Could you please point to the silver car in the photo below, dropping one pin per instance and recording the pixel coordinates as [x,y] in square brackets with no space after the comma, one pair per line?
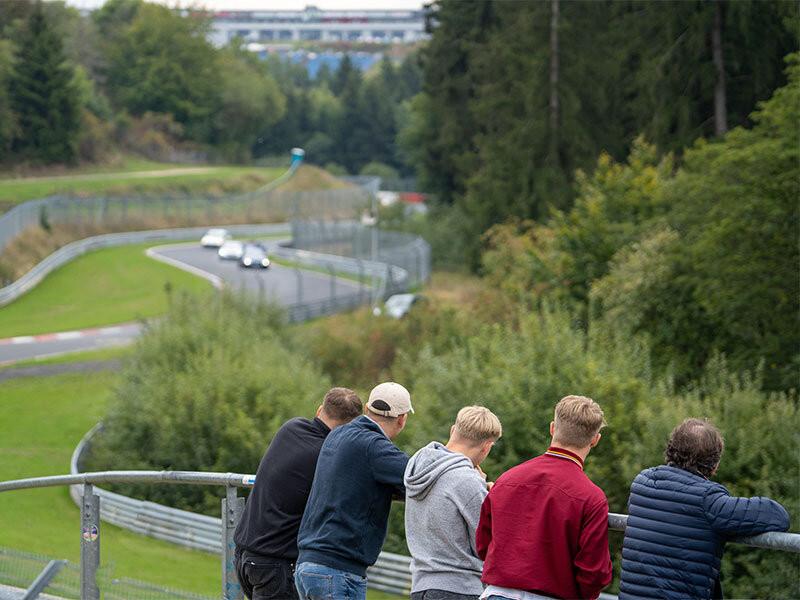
[231,250]
[214,238]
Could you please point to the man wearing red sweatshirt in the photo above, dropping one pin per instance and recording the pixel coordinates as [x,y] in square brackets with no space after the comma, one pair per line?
[543,531]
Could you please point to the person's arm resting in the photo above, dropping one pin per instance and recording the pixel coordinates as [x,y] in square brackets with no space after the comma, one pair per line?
[388,464]
[593,561]
[733,516]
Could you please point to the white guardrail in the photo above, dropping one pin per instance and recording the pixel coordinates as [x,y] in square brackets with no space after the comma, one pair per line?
[391,573]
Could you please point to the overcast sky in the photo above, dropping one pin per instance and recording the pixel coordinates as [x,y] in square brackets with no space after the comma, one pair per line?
[274,4]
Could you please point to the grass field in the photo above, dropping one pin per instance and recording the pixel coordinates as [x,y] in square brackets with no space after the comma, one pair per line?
[139,178]
[44,420]
[108,286]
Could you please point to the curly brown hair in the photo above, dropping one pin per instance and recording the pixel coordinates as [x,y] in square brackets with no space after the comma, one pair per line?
[695,445]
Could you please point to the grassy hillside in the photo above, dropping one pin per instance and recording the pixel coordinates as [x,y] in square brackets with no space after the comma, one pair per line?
[147,178]
[108,286]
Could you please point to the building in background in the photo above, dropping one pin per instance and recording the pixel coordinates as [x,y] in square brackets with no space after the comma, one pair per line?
[314,25]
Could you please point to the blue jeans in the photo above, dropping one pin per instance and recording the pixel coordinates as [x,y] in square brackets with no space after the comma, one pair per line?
[318,582]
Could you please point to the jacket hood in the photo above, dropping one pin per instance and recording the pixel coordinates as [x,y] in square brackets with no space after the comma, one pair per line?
[428,465]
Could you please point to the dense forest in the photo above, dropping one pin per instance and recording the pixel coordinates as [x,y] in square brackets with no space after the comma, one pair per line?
[142,78]
[519,96]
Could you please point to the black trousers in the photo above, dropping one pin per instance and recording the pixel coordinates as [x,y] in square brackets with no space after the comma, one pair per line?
[265,578]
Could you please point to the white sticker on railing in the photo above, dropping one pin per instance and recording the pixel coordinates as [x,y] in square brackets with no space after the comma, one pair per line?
[249,479]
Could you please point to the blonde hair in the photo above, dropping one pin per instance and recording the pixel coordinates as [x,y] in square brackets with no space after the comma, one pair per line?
[477,424]
[577,420]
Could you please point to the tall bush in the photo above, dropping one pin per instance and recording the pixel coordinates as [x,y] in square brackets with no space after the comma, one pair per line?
[206,390]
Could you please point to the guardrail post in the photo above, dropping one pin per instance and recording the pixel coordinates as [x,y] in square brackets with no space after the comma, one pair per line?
[332,274]
[360,280]
[90,543]
[232,509]
[420,278]
[299,276]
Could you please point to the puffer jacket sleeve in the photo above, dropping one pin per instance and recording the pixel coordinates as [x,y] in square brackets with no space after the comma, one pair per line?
[735,516]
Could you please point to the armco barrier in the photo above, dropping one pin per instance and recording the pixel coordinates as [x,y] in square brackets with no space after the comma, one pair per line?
[71,251]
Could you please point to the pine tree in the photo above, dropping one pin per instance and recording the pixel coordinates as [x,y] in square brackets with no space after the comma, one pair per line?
[43,96]
[343,75]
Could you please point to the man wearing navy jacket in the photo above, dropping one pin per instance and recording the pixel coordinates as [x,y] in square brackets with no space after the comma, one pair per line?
[344,524]
[679,520]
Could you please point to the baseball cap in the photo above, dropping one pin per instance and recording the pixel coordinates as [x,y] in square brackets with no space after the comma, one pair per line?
[389,399]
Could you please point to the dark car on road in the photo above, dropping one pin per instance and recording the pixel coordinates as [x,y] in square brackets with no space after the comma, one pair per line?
[255,257]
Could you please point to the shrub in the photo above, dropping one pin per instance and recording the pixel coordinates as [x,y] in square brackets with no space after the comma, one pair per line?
[206,390]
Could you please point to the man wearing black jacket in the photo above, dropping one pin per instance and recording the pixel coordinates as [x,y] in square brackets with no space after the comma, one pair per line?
[266,537]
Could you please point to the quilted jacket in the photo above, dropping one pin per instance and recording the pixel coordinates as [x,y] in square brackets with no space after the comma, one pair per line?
[676,532]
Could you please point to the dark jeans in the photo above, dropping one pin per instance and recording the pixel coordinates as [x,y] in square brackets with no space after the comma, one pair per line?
[441,595]
[265,578]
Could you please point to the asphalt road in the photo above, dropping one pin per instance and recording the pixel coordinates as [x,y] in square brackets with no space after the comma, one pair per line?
[39,346]
[283,285]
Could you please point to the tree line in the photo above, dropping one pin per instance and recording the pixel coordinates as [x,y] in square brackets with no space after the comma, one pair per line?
[519,96]
[142,77]
[635,161]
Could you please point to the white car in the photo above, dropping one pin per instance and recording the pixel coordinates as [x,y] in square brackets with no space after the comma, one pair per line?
[231,250]
[214,238]
[397,306]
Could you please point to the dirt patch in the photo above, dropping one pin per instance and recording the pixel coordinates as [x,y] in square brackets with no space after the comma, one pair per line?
[309,177]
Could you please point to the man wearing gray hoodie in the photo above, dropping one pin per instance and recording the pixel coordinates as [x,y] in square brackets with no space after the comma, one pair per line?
[445,488]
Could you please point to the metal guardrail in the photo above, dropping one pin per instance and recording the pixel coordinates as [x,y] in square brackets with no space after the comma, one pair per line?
[354,240]
[391,573]
[72,251]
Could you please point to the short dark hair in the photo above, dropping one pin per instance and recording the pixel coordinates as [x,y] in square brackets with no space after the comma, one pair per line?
[342,404]
[695,445]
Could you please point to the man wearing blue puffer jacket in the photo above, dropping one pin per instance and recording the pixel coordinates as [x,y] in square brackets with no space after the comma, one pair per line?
[679,520]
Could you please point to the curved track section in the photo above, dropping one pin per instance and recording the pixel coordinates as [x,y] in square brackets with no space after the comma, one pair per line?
[284,285]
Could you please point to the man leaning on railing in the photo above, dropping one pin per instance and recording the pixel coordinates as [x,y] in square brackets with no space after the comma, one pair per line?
[679,520]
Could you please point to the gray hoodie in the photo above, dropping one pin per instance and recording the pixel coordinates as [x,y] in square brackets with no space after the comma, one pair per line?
[444,493]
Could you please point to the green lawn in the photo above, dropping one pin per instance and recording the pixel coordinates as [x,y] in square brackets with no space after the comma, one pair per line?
[112,285]
[44,420]
[201,179]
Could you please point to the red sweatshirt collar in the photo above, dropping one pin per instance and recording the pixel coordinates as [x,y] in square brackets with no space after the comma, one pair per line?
[565,454]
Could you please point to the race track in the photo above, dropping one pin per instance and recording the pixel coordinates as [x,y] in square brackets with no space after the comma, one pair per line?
[283,285]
